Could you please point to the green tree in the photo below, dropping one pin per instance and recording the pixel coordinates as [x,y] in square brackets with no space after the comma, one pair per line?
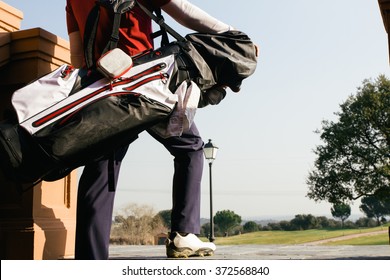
[354,159]
[205,230]
[165,215]
[341,211]
[375,208]
[365,222]
[250,226]
[323,222]
[303,222]
[226,220]
[285,225]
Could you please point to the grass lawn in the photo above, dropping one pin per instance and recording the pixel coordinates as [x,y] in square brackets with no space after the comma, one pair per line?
[380,239]
[299,237]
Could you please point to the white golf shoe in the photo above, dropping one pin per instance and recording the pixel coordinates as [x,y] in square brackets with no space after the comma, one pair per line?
[178,246]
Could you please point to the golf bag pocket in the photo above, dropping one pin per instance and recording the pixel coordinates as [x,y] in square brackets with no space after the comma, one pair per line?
[115,63]
[85,125]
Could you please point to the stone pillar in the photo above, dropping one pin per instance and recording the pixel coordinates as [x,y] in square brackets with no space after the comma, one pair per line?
[36,222]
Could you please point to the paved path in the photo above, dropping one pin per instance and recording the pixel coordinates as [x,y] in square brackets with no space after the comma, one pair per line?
[311,250]
[264,252]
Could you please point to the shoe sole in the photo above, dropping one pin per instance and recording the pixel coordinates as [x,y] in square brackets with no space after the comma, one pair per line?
[187,252]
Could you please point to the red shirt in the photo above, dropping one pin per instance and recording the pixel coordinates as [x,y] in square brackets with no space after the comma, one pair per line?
[134,33]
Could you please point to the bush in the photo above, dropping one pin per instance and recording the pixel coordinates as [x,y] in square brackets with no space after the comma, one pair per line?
[305,222]
[136,225]
[365,222]
[250,226]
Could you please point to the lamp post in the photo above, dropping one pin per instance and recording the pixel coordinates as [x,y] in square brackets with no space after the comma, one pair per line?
[210,153]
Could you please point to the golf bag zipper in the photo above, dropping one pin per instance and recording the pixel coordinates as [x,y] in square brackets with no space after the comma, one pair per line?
[116,83]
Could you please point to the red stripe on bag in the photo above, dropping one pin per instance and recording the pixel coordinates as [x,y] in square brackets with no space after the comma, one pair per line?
[58,112]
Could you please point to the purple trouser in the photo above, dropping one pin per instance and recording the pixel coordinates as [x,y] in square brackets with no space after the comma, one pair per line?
[95,201]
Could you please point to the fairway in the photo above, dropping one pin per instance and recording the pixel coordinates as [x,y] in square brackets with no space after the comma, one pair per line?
[308,236]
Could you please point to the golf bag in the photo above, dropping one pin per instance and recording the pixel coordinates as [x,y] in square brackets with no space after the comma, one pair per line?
[70,117]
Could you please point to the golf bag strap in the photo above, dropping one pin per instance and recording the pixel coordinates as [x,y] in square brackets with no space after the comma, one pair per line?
[92,25]
[119,9]
[113,42]
[159,19]
[90,36]
[162,32]
[91,30]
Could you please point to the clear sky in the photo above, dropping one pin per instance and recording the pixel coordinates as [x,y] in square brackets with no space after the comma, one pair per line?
[313,55]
